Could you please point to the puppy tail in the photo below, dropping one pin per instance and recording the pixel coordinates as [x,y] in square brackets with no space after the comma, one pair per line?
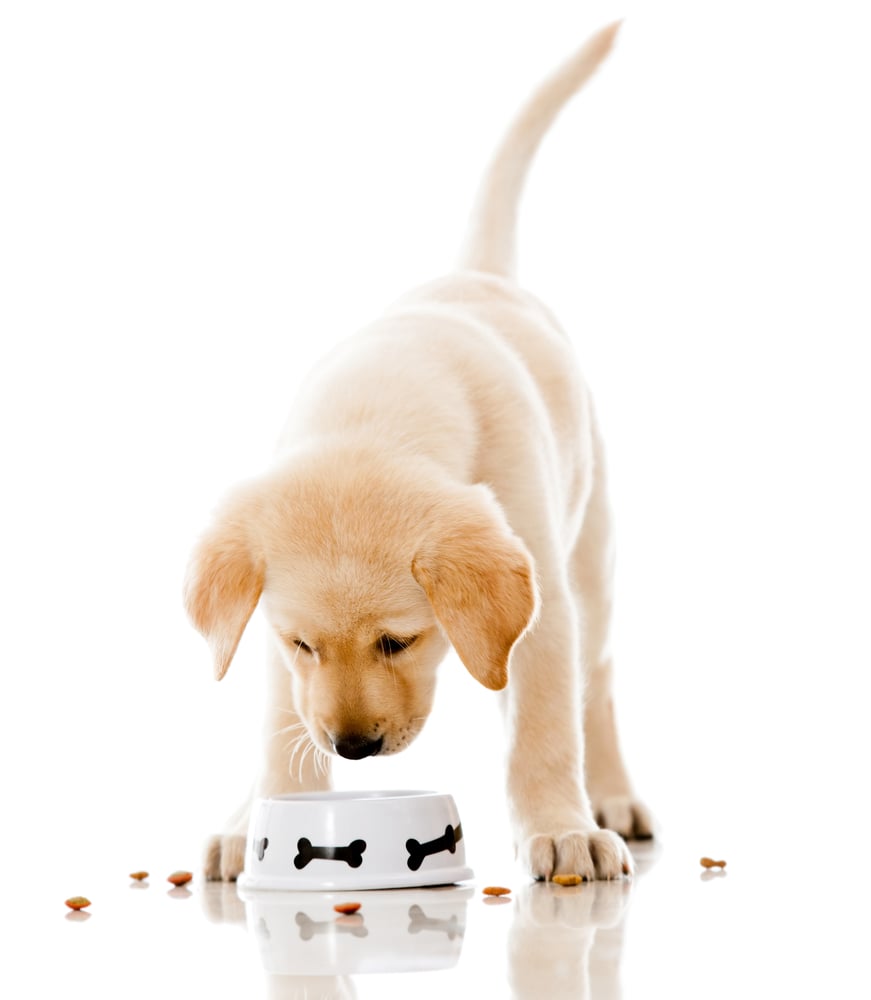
[490,238]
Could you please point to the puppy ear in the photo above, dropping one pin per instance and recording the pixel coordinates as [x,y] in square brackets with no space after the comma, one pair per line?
[480,581]
[222,587]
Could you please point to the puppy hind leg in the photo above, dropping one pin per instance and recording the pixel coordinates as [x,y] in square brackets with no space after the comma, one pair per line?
[615,804]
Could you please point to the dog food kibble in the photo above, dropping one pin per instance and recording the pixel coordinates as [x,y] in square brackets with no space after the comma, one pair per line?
[77,902]
[346,907]
[496,890]
[710,863]
[139,876]
[568,879]
[179,878]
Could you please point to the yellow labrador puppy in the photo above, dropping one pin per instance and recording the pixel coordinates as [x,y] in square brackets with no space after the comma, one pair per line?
[466,506]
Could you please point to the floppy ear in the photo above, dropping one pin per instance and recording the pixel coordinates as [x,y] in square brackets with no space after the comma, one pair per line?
[222,587]
[480,581]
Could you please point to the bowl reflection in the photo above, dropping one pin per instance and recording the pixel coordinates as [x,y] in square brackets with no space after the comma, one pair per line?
[397,930]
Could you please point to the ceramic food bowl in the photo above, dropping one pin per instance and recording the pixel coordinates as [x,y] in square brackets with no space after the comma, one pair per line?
[354,840]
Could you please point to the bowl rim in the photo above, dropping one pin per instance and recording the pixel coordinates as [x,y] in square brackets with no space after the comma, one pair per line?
[430,879]
[366,795]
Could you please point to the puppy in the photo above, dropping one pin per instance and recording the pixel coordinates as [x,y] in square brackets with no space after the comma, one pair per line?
[440,482]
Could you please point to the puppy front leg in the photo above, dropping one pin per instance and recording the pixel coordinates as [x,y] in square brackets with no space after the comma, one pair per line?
[292,763]
[554,829]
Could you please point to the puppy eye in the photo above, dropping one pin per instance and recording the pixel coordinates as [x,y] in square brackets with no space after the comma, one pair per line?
[304,646]
[392,645]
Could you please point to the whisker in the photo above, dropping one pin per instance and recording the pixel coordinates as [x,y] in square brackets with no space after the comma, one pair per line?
[310,746]
[289,729]
[298,746]
[290,756]
[413,654]
[303,751]
[297,743]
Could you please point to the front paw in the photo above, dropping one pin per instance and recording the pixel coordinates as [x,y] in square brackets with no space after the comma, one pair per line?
[593,854]
[225,857]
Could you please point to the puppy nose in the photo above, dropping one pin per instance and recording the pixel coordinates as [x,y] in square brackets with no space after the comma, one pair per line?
[356,747]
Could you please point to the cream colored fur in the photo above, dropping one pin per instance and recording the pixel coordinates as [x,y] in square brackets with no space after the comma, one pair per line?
[465,506]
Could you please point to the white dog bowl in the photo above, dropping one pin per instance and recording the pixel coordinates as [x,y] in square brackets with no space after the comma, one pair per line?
[354,840]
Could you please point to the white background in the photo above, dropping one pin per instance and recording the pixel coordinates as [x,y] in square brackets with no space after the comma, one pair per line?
[199,198]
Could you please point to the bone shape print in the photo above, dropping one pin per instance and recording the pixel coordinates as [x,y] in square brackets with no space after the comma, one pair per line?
[447,842]
[308,927]
[419,921]
[352,854]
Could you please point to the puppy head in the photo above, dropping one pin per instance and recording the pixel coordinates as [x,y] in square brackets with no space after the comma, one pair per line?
[365,568]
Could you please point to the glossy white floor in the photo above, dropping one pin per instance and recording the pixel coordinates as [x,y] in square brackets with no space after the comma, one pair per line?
[774,923]
[197,200]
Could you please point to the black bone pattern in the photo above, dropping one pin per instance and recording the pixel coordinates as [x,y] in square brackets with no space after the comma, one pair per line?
[419,921]
[308,927]
[447,842]
[352,855]
[260,847]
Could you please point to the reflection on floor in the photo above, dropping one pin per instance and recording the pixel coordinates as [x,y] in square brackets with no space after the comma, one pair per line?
[560,941]
[767,926]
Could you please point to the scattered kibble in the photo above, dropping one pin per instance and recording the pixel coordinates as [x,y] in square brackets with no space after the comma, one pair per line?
[710,863]
[139,876]
[179,878]
[568,879]
[496,890]
[78,902]
[346,907]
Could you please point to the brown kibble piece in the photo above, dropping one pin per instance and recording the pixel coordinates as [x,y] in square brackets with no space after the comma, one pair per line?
[347,907]
[179,878]
[568,879]
[77,902]
[139,876]
[496,890]
[710,863]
